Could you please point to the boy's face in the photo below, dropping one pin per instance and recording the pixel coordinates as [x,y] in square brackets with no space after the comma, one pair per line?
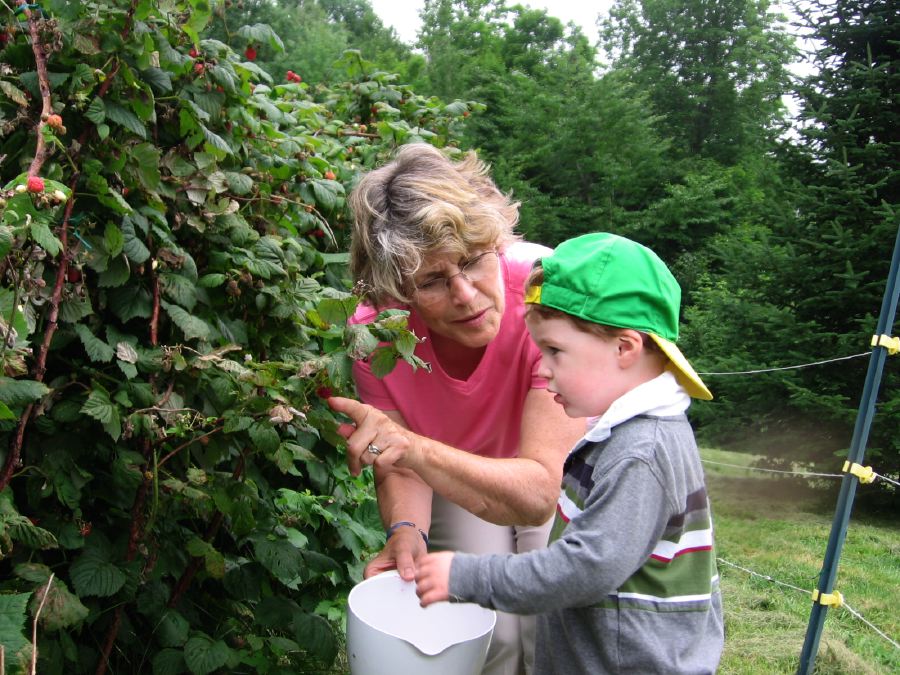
[583,369]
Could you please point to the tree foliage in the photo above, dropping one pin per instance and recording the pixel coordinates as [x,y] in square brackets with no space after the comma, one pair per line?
[809,286]
[172,315]
[715,71]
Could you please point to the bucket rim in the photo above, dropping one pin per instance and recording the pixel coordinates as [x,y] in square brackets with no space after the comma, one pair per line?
[379,578]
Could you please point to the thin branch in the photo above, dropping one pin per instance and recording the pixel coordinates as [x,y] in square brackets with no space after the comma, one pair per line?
[13,458]
[181,447]
[37,614]
[40,59]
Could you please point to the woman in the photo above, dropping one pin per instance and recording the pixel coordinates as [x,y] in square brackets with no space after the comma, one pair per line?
[469,455]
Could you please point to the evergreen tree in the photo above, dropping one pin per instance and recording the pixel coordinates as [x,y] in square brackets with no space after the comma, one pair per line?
[715,70]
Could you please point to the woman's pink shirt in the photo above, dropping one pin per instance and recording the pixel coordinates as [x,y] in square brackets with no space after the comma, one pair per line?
[482,414]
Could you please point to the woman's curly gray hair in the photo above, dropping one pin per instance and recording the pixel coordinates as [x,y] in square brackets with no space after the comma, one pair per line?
[421,203]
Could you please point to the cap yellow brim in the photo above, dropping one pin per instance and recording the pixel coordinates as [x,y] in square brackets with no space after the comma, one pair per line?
[685,374]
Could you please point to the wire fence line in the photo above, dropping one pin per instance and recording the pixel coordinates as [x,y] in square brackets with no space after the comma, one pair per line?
[805,474]
[805,591]
[756,468]
[797,367]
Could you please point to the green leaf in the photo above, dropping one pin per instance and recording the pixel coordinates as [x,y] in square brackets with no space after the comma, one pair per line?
[44,238]
[129,303]
[6,240]
[260,33]
[159,79]
[19,392]
[147,155]
[62,608]
[124,117]
[34,572]
[216,141]
[96,111]
[180,289]
[113,239]
[264,437]
[169,662]
[97,349]
[211,280]
[5,412]
[75,308]
[406,344]
[12,622]
[314,633]
[92,573]
[104,411]
[134,248]
[13,93]
[173,629]
[116,274]
[382,361]
[32,536]
[326,192]
[203,655]
[337,311]
[280,557]
[191,326]
[276,612]
[266,269]
[238,183]
[360,341]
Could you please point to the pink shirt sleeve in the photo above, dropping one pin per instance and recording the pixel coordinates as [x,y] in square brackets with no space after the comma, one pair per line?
[482,414]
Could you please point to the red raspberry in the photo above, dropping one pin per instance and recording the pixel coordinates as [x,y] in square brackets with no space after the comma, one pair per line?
[250,53]
[193,53]
[324,392]
[35,184]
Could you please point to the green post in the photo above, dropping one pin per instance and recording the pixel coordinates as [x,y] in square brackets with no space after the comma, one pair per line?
[855,456]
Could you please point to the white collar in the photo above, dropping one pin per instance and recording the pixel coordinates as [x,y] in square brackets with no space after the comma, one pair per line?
[661,396]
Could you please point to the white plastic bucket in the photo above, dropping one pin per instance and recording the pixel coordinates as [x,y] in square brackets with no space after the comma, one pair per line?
[388,633]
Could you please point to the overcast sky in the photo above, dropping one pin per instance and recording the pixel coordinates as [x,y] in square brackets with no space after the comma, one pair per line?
[403,15]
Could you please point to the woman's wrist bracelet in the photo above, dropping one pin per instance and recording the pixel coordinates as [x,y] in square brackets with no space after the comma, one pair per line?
[405,523]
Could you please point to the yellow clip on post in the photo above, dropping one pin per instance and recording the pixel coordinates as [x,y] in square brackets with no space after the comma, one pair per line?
[892,344]
[864,473]
[828,599]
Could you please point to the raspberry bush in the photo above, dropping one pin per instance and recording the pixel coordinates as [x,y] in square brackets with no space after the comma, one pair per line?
[173,497]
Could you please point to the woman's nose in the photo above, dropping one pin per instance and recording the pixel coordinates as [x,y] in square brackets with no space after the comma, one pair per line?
[461,289]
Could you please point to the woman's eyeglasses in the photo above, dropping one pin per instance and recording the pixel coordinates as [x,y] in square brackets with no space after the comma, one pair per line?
[473,270]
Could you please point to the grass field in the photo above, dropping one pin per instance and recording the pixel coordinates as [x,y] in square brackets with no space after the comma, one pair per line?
[778,527]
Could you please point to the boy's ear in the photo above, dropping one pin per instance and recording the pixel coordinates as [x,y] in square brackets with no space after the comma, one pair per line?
[630,345]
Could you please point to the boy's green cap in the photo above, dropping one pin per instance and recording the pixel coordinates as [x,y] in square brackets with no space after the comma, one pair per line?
[611,280]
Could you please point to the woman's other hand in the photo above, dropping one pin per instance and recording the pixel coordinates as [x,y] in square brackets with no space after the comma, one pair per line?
[401,552]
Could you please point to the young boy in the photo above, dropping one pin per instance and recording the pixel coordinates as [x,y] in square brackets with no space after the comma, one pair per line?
[628,583]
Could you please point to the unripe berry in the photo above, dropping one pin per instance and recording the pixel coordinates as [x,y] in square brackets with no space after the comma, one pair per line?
[329,175]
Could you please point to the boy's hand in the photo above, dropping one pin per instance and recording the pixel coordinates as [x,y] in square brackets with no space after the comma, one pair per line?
[433,577]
